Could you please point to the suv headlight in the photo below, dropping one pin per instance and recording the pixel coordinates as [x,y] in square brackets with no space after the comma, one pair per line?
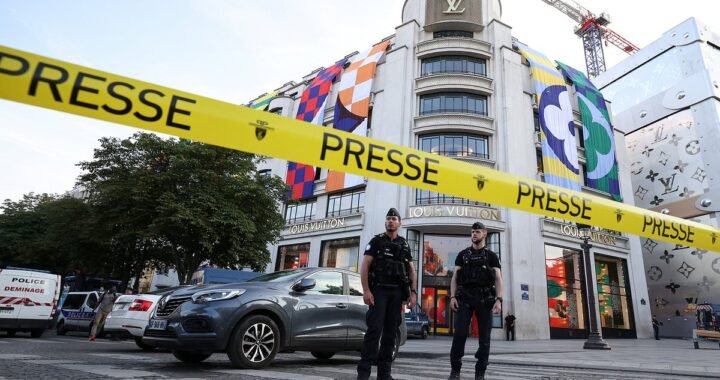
[216,295]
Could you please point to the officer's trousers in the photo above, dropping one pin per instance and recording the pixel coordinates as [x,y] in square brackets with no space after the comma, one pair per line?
[383,320]
[483,311]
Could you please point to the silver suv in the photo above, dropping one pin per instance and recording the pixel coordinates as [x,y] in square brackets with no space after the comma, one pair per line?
[320,310]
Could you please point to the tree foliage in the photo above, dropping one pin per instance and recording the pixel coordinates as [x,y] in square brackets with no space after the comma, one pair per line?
[49,232]
[148,200]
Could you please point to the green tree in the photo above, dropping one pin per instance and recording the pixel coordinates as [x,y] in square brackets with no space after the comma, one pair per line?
[180,203]
[49,232]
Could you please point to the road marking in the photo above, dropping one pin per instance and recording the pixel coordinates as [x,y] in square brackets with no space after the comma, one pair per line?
[130,357]
[50,361]
[18,356]
[41,341]
[270,374]
[109,370]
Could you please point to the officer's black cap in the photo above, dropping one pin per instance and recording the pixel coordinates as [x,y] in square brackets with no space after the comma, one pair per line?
[478,226]
[393,212]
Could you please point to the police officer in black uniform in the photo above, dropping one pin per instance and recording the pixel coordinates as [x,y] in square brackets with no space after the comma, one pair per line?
[388,279]
[476,286]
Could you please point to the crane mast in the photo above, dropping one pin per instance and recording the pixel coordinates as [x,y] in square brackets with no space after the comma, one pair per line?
[592,30]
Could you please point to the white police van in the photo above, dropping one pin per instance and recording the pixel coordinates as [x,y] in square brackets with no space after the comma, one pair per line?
[28,300]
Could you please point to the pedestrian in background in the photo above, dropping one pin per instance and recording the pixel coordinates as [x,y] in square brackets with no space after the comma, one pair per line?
[105,304]
[388,278]
[510,325]
[475,287]
[656,327]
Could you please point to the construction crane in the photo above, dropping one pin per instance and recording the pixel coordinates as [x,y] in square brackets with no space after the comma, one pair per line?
[592,29]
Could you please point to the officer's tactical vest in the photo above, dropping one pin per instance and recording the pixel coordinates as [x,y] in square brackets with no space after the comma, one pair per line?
[476,270]
[389,265]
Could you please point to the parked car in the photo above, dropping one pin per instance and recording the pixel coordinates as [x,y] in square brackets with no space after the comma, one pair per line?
[78,312]
[320,310]
[418,323]
[131,313]
[28,299]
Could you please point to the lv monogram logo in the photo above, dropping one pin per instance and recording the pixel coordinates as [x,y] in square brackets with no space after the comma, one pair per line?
[669,182]
[453,7]
[659,135]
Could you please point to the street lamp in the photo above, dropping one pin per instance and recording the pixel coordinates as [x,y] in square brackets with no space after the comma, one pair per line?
[595,340]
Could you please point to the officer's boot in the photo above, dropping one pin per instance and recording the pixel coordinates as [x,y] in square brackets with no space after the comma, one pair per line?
[454,375]
[479,375]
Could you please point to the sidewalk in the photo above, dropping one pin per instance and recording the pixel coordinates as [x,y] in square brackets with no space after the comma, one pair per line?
[667,356]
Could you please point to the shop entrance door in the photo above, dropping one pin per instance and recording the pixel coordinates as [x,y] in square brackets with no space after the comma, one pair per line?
[436,303]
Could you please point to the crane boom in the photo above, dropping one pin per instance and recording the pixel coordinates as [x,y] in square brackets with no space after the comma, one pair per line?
[572,9]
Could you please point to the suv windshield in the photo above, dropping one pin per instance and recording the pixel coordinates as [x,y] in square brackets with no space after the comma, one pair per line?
[278,276]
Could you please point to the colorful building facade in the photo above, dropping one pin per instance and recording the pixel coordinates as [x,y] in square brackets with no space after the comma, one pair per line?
[453,81]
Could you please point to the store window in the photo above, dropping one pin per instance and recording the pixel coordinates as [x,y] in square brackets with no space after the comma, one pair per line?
[440,252]
[565,290]
[302,211]
[328,282]
[450,102]
[293,256]
[454,64]
[341,253]
[346,203]
[613,292]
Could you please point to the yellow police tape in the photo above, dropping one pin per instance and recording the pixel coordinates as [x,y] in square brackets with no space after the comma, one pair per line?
[53,84]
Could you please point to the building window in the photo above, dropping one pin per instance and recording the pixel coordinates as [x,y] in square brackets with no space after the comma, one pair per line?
[342,253]
[453,102]
[276,110]
[455,145]
[293,256]
[302,211]
[454,64]
[265,173]
[565,291]
[453,33]
[540,167]
[425,197]
[346,203]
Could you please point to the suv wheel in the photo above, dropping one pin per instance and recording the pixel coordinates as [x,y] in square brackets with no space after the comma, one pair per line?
[36,333]
[191,356]
[146,347]
[322,355]
[254,343]
[60,329]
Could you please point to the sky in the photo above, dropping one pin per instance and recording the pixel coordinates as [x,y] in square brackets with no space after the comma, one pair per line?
[237,50]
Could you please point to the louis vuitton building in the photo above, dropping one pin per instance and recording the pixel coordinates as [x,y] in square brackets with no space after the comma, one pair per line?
[452,81]
[672,122]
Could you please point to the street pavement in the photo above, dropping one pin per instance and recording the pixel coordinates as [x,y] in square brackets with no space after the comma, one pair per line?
[72,356]
[663,357]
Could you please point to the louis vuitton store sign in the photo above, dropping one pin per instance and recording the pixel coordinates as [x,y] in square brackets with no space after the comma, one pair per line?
[604,237]
[473,212]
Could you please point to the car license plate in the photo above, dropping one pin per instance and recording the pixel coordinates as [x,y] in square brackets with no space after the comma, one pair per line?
[157,324]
